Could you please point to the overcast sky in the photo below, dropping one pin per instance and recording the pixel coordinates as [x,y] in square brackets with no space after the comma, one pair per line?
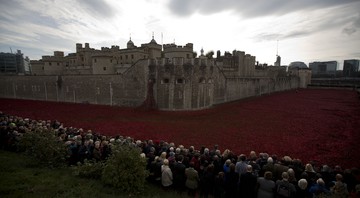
[306,30]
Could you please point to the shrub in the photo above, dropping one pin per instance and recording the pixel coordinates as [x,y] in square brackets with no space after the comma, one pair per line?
[125,169]
[89,169]
[44,147]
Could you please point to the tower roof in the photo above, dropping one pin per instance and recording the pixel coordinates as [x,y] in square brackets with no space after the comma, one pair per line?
[130,42]
[153,40]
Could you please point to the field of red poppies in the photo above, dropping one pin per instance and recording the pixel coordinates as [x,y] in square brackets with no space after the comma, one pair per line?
[322,125]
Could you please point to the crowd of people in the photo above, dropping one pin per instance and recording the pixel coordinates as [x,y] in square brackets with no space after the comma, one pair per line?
[203,172]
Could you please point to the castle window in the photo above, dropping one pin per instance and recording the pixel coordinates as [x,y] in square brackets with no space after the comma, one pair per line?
[132,56]
[49,63]
[187,56]
[110,60]
[126,56]
[104,68]
[165,81]
[120,57]
[57,64]
[95,60]
[180,81]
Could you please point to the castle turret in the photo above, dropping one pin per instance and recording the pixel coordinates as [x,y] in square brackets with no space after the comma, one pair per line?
[172,50]
[130,44]
[218,54]
[78,47]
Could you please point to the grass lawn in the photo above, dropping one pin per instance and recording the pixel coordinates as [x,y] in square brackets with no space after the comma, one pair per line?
[19,178]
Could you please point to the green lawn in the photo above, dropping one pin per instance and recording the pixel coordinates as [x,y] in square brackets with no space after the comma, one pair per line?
[18,178]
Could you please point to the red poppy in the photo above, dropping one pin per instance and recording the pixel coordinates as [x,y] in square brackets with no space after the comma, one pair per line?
[320,125]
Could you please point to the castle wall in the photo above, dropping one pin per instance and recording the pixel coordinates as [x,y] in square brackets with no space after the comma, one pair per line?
[103,65]
[122,90]
[37,67]
[305,78]
[180,84]
[239,88]
[174,51]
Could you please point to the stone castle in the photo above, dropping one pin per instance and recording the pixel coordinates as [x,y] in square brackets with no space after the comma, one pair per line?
[169,77]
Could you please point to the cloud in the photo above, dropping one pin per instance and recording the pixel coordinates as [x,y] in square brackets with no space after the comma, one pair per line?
[16,12]
[267,37]
[99,7]
[305,24]
[245,8]
[349,30]
[276,36]
[183,7]
[297,33]
[354,26]
[355,54]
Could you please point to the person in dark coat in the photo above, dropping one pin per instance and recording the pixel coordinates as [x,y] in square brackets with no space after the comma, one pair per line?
[219,188]
[231,181]
[179,175]
[302,189]
[248,183]
[284,188]
[207,181]
[266,186]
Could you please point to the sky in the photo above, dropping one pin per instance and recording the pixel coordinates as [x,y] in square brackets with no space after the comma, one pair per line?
[298,30]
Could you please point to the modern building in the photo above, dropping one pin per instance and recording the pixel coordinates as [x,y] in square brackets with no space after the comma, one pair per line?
[351,68]
[278,61]
[298,65]
[14,63]
[324,69]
